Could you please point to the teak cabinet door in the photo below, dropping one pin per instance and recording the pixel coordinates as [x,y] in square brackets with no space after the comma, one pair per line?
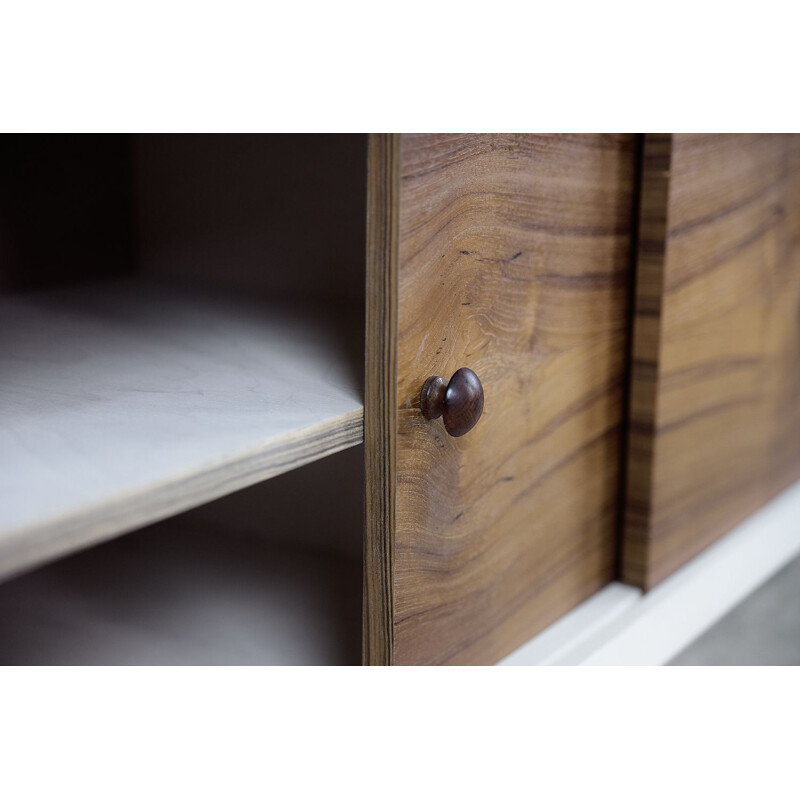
[510,255]
[715,375]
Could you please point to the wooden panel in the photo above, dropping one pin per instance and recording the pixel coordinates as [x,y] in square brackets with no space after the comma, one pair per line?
[715,411]
[512,257]
[380,422]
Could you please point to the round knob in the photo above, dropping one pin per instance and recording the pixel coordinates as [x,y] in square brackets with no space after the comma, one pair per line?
[459,402]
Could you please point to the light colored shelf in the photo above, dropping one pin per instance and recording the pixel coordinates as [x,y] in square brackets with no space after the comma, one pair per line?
[181,594]
[127,402]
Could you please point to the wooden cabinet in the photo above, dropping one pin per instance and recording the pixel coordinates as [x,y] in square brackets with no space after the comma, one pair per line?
[183,349]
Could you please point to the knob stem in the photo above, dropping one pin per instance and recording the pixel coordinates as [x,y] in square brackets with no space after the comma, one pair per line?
[431,400]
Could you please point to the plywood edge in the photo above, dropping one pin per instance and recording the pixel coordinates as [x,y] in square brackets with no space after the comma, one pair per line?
[645,357]
[35,545]
[380,417]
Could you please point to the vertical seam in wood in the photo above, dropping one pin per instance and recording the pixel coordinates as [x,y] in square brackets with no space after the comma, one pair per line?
[645,357]
[380,412]
[622,492]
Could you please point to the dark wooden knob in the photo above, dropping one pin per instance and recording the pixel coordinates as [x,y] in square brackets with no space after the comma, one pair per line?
[459,402]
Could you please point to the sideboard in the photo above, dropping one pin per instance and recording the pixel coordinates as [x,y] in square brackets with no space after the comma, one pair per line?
[389,399]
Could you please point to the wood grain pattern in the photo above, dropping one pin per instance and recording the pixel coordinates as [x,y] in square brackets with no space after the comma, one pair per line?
[380,422]
[715,411]
[513,260]
[128,401]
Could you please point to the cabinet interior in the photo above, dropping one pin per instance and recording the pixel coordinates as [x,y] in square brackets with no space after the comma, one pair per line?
[259,577]
[182,318]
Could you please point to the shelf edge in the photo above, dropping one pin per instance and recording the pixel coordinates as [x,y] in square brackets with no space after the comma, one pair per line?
[31,546]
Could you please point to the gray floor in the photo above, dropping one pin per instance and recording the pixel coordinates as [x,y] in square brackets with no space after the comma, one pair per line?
[763,630]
